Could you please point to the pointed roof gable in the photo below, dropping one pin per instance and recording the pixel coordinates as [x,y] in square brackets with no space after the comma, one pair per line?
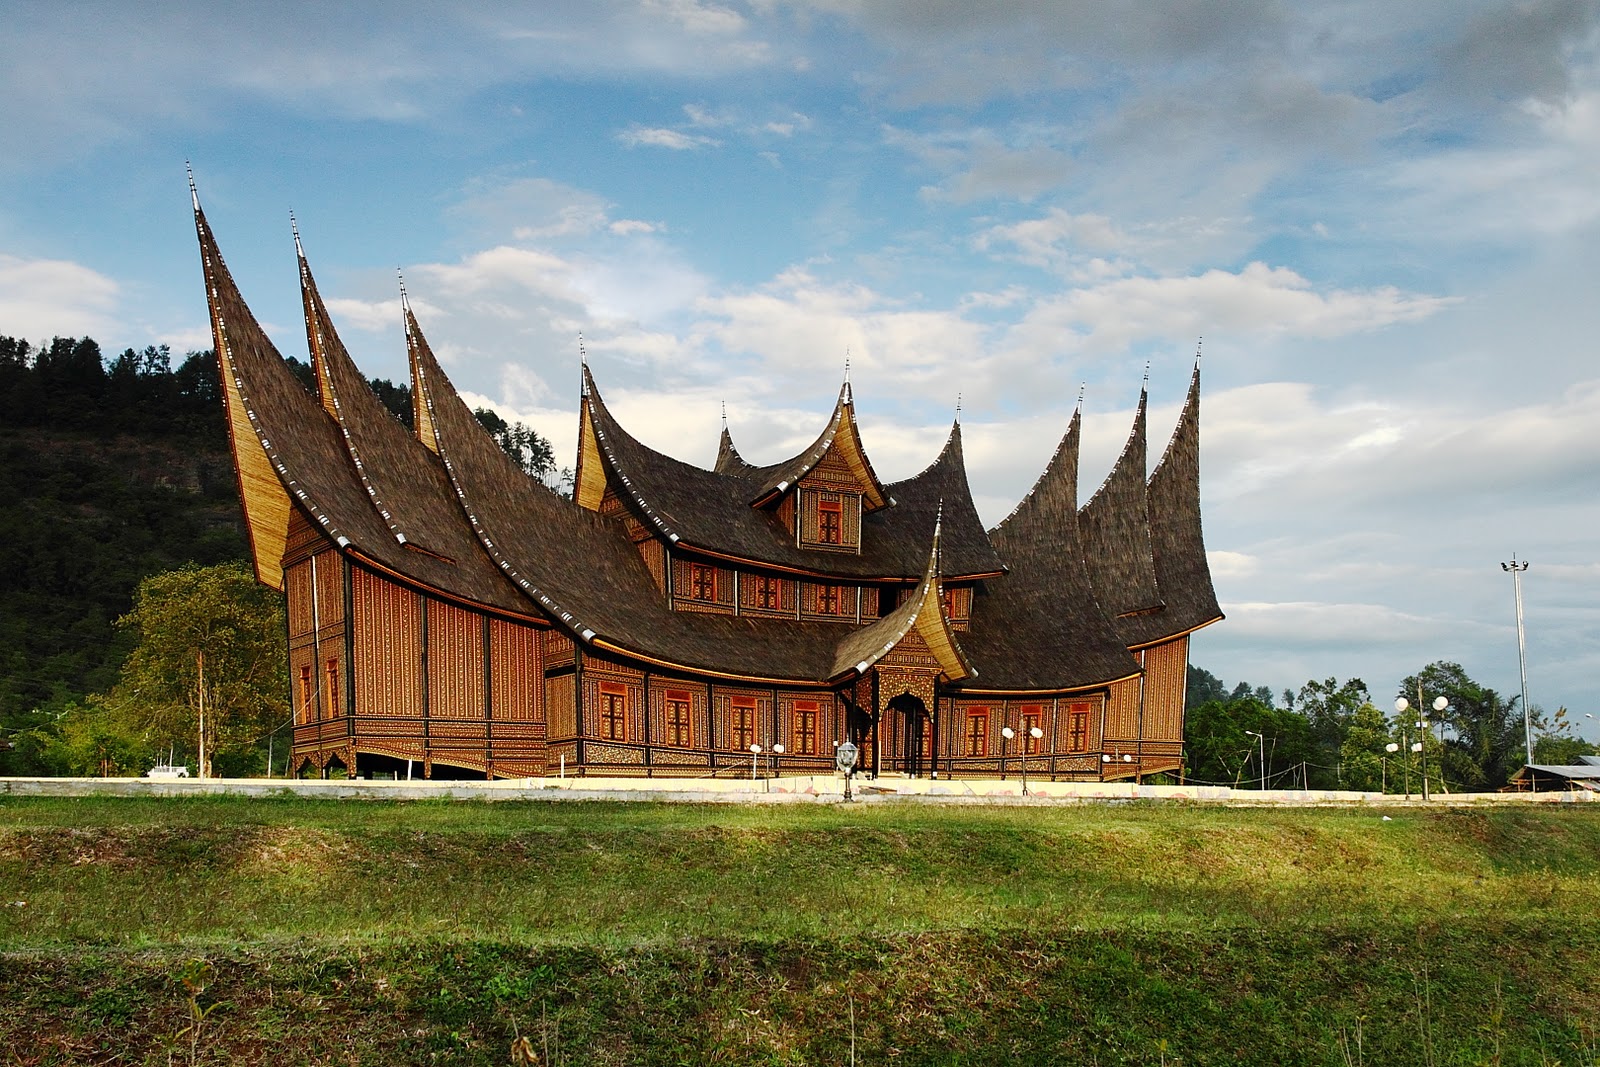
[1115,526]
[421,417]
[291,454]
[266,500]
[841,438]
[1175,528]
[1040,627]
[923,613]
[405,482]
[710,510]
[941,492]
[728,459]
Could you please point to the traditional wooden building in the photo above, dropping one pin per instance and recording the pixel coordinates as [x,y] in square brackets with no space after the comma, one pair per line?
[450,616]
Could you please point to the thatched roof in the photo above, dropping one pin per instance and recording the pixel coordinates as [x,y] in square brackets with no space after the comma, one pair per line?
[448,511]
[712,510]
[1040,627]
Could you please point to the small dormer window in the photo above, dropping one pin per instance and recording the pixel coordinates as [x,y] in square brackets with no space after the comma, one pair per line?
[829,519]
[830,522]
[702,581]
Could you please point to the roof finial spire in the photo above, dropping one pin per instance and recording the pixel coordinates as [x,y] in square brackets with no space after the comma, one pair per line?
[405,302]
[583,352]
[724,414]
[294,228]
[1147,374]
[958,407]
[194,193]
[1081,387]
[1199,342]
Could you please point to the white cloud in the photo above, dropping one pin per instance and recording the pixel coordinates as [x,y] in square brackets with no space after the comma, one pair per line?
[44,298]
[661,137]
[1260,301]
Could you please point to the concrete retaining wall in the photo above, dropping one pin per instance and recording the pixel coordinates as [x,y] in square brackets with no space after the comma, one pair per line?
[819,789]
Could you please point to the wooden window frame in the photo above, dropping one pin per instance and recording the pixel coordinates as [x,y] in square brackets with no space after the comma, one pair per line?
[830,522]
[1078,730]
[742,733]
[803,727]
[613,717]
[333,687]
[768,592]
[976,741]
[703,582]
[308,695]
[677,714]
[1032,715]
[829,599]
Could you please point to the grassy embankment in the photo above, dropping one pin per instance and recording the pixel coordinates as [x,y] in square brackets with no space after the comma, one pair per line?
[327,932]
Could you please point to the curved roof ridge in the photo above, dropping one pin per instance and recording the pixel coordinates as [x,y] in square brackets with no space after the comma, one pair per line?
[861,649]
[1115,526]
[1062,466]
[266,488]
[328,352]
[781,477]
[1136,437]
[1177,537]
[607,431]
[298,460]
[728,459]
[1041,626]
[457,429]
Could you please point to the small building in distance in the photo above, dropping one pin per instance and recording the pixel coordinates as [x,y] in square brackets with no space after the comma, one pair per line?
[451,616]
[1558,778]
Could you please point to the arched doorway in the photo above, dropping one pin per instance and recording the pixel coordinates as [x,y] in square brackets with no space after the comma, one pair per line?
[914,728]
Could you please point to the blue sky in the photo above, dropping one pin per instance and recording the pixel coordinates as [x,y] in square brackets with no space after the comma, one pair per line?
[1382,219]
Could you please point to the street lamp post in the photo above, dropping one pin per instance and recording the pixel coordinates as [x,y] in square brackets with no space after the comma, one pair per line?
[1034,734]
[844,758]
[755,755]
[1263,743]
[1439,704]
[1391,748]
[777,753]
[1006,734]
[1515,569]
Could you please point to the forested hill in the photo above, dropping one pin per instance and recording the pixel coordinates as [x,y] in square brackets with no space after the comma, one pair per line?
[111,469]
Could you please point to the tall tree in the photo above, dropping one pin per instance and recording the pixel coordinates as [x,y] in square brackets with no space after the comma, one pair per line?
[1331,707]
[521,442]
[1363,759]
[210,664]
[1483,746]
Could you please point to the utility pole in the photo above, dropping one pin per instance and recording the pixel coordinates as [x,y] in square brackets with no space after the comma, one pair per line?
[1515,568]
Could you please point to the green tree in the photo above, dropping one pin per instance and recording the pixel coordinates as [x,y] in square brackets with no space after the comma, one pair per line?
[210,664]
[1221,750]
[1559,746]
[1483,745]
[1330,706]
[1362,758]
[1203,686]
[522,443]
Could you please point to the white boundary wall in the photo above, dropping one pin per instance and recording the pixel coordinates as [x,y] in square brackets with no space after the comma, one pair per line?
[816,790]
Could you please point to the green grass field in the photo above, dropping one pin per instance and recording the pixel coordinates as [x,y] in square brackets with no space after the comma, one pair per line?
[334,932]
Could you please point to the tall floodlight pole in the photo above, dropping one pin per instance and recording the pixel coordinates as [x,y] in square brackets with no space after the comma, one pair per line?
[1516,567]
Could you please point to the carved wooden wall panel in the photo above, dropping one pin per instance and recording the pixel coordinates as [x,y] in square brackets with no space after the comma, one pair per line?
[388,646]
[516,671]
[455,662]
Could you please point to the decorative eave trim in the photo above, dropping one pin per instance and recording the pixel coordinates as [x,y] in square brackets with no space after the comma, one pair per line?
[704,672]
[1053,691]
[1174,636]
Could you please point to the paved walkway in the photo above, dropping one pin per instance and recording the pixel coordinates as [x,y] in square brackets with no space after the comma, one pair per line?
[809,790]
